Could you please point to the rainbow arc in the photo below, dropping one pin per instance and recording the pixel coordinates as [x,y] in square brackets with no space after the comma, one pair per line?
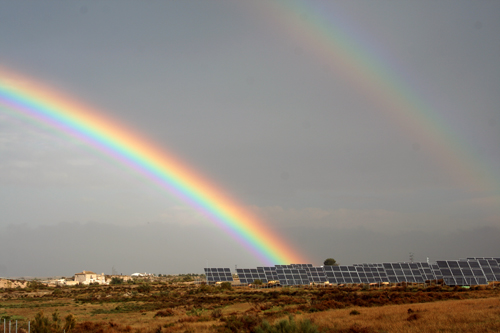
[45,106]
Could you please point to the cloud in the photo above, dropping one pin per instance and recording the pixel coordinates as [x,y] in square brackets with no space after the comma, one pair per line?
[67,248]
[333,218]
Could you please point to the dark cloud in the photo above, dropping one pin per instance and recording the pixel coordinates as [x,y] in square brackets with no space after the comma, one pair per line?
[266,111]
[65,249]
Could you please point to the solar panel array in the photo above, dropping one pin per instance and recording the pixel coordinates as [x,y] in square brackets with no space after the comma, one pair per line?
[409,272]
[316,274]
[218,274]
[249,275]
[292,276]
[470,271]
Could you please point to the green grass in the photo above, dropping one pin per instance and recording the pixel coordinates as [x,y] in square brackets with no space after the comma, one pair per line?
[31,306]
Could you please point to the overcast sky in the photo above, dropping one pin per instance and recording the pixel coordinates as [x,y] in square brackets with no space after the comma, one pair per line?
[256,100]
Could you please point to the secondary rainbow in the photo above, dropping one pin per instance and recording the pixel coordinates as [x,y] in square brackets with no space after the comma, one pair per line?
[40,103]
[336,41]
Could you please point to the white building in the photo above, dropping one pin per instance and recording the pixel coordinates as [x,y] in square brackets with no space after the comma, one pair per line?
[87,277]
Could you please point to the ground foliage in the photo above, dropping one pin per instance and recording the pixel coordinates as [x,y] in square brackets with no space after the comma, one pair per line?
[185,307]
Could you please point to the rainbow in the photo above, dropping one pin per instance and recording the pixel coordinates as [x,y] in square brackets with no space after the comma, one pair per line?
[328,36]
[45,106]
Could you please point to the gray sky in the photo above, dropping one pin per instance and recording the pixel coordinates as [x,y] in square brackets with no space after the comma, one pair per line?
[252,98]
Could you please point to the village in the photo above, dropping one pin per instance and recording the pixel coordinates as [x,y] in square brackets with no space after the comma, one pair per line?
[87,278]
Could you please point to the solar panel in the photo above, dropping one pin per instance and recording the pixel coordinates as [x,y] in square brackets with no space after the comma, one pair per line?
[218,274]
[472,272]
[292,276]
[249,275]
[469,271]
[316,274]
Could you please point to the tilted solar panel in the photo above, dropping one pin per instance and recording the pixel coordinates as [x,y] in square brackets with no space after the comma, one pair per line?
[469,271]
[218,275]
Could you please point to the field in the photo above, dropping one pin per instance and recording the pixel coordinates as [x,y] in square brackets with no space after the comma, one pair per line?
[183,307]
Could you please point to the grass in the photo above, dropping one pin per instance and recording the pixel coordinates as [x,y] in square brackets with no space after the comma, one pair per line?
[476,315]
[189,308]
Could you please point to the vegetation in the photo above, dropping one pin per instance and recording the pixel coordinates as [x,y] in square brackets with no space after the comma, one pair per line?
[116,280]
[330,262]
[288,326]
[144,288]
[226,286]
[188,307]
[42,324]
[257,282]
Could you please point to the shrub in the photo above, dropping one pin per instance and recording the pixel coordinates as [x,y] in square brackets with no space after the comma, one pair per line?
[187,278]
[196,312]
[216,314]
[413,317]
[35,285]
[242,324]
[144,288]
[165,313]
[42,324]
[288,326]
[57,292]
[116,280]
[226,286]
[354,313]
[257,282]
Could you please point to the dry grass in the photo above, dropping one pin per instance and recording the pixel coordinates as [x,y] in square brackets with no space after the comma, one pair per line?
[477,315]
[188,308]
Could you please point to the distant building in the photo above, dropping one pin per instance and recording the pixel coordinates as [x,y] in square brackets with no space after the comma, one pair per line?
[141,274]
[87,277]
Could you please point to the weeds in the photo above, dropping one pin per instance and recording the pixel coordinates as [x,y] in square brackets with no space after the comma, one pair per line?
[165,313]
[246,323]
[288,326]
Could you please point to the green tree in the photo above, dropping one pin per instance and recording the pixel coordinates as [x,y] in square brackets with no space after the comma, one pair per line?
[330,262]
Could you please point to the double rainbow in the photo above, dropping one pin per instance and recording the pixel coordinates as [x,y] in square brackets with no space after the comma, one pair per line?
[46,106]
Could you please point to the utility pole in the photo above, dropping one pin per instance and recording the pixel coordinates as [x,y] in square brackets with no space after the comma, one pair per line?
[411,256]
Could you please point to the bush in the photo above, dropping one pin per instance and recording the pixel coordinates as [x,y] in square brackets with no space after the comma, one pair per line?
[195,312]
[144,288]
[257,282]
[288,326]
[242,324]
[35,285]
[165,313]
[226,286]
[57,292]
[42,324]
[116,280]
[216,314]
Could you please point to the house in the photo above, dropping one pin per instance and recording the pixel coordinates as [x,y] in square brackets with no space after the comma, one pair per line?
[87,277]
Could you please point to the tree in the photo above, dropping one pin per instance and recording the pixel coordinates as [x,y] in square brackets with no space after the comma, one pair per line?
[330,262]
